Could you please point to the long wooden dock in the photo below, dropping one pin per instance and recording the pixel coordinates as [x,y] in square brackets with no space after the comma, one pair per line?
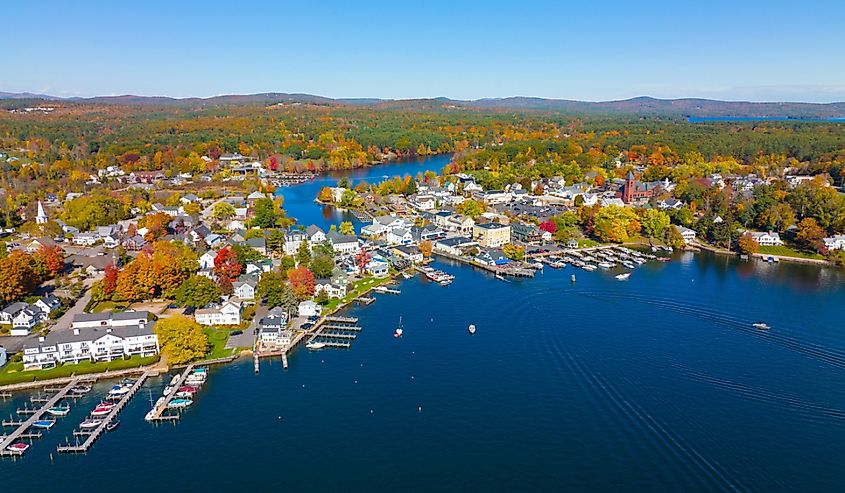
[24,426]
[158,411]
[94,434]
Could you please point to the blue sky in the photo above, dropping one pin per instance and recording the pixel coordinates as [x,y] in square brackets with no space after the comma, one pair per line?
[589,50]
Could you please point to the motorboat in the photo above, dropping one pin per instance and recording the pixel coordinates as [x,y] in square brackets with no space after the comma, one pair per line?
[113,425]
[472,328]
[90,423]
[315,345]
[399,329]
[59,410]
[188,388]
[167,390]
[43,424]
[80,389]
[184,395]
[179,403]
[18,448]
[623,277]
[174,380]
[761,326]
[119,390]
[605,265]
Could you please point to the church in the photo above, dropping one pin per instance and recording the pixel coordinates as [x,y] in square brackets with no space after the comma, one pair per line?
[634,190]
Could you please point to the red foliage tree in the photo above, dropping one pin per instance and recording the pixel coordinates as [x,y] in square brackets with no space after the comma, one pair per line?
[226,265]
[549,226]
[362,259]
[301,282]
[52,258]
[110,279]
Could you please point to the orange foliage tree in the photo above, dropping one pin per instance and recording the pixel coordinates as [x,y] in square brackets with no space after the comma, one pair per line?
[301,282]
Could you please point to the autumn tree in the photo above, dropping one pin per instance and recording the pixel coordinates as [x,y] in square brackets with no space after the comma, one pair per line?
[810,235]
[227,268]
[346,228]
[674,238]
[110,279]
[274,291]
[654,223]
[301,282]
[426,248]
[471,208]
[18,276]
[223,210]
[197,291]
[747,244]
[156,225]
[325,195]
[181,339]
[616,224]
[50,261]
[514,252]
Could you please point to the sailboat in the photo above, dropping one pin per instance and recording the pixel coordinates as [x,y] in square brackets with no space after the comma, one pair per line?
[472,328]
[399,330]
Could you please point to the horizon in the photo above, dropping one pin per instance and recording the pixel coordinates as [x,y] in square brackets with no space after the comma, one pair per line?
[468,51]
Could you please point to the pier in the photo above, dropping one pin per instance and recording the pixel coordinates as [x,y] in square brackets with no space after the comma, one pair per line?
[157,413]
[336,332]
[22,427]
[365,300]
[386,290]
[92,435]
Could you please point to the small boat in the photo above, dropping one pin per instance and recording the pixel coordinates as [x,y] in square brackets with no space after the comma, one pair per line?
[43,424]
[188,388]
[399,330]
[167,390]
[315,345]
[90,423]
[623,277]
[472,328]
[605,265]
[184,395]
[18,448]
[119,390]
[174,380]
[80,389]
[572,278]
[128,381]
[113,425]
[179,403]
[102,410]
[59,410]
[761,326]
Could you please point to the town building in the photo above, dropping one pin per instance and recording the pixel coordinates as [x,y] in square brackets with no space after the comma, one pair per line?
[634,190]
[766,238]
[273,329]
[309,308]
[492,235]
[228,313]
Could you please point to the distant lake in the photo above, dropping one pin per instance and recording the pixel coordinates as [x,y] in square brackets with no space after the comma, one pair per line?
[711,119]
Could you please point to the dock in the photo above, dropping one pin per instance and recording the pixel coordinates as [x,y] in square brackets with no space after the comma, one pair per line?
[158,411]
[386,290]
[23,426]
[94,434]
[365,300]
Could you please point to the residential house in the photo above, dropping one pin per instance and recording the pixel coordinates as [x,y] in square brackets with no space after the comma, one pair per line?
[492,235]
[227,313]
[293,238]
[244,289]
[273,330]
[429,232]
[687,233]
[425,202]
[460,224]
[377,268]
[48,304]
[343,244]
[670,203]
[258,244]
[399,236]
[456,245]
[315,234]
[37,244]
[309,308]
[836,242]
[411,253]
[206,260]
[766,238]
[333,289]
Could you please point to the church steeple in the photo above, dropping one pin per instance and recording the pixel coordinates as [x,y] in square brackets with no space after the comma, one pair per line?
[41,217]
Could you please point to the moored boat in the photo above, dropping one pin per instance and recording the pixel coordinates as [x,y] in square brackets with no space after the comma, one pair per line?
[315,345]
[623,277]
[18,448]
[472,328]
[90,423]
[399,330]
[59,410]
[112,425]
[179,403]
[43,424]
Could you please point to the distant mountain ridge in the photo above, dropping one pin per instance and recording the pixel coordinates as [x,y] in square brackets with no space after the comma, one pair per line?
[691,107]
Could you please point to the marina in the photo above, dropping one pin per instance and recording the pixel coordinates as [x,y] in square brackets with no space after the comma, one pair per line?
[89,435]
[160,408]
[22,427]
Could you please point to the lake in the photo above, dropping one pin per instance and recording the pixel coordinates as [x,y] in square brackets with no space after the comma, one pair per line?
[659,383]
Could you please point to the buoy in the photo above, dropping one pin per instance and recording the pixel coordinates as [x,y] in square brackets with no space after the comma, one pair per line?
[419,409]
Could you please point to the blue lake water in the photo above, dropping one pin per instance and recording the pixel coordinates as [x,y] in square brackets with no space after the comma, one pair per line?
[716,119]
[659,383]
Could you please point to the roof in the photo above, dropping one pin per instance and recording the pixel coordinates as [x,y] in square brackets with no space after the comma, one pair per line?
[14,308]
[110,316]
[93,333]
[492,226]
[336,237]
[455,241]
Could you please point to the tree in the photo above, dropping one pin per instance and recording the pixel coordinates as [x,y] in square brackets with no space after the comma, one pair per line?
[89,211]
[322,265]
[181,339]
[747,244]
[285,264]
[192,209]
[776,217]
[809,235]
[549,226]
[301,282]
[52,260]
[426,248]
[223,210]
[303,253]
[346,228]
[322,297]
[615,223]
[156,225]
[264,213]
[110,279]
[471,208]
[18,276]
[654,223]
[514,252]
[197,291]
[325,195]
[227,267]
[246,254]
[362,258]
[674,238]
[275,291]
[276,241]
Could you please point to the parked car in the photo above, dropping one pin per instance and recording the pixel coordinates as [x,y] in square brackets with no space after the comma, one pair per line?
[236,332]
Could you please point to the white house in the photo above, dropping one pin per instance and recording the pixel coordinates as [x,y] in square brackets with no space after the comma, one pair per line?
[836,242]
[293,239]
[48,304]
[766,238]
[687,233]
[24,320]
[399,236]
[332,289]
[206,260]
[3,358]
[244,290]
[315,234]
[309,308]
[229,313]
[343,244]
[273,329]
[377,268]
[425,202]
[109,319]
[100,343]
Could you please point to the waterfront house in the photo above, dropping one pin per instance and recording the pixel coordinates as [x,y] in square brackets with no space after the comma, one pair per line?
[343,244]
[766,238]
[687,233]
[309,308]
[377,268]
[315,234]
[492,257]
[492,235]
[228,313]
[273,330]
[525,232]
[429,232]
[92,343]
[572,243]
[333,289]
[411,253]
[456,245]
[836,242]
[24,320]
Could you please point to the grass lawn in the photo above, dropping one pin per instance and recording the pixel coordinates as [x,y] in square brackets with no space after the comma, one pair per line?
[14,372]
[786,251]
[103,306]
[587,243]
[217,338]
[355,290]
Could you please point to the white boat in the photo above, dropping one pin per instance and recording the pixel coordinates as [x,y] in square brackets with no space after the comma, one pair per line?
[119,390]
[90,423]
[167,390]
[179,403]
[399,330]
[472,328]
[605,265]
[59,410]
[18,448]
[315,345]
[623,277]
[761,326]
[174,380]
[589,267]
[184,395]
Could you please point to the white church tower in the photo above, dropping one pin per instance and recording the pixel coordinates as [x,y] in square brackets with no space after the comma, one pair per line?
[41,218]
